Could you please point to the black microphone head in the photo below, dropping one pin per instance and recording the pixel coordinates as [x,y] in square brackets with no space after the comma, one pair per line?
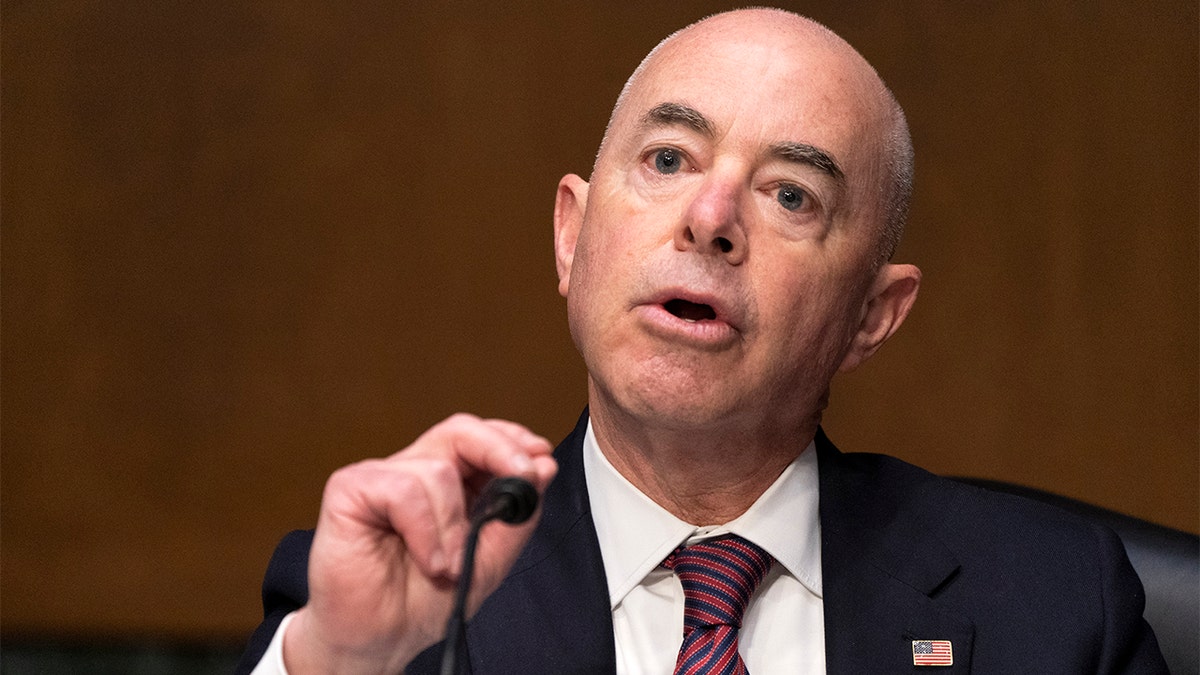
[510,499]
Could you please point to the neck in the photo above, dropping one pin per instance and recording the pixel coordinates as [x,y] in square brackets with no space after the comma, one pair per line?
[702,475]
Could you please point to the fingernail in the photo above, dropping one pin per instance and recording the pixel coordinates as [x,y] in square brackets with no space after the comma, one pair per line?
[521,464]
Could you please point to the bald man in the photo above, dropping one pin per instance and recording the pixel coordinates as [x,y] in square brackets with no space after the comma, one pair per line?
[728,256]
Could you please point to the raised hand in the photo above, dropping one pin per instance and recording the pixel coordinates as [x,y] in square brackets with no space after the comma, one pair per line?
[388,545]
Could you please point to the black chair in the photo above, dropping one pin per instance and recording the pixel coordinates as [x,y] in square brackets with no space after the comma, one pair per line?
[1167,560]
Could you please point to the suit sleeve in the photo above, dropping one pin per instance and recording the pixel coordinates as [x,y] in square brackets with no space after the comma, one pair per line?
[285,589]
[1129,644]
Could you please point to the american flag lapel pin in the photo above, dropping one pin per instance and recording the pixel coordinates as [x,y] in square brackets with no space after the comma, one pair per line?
[932,653]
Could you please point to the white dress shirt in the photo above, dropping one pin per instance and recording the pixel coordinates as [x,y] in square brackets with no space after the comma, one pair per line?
[783,629]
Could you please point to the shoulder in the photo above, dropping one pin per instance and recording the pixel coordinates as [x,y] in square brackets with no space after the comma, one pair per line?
[284,590]
[866,488]
[1013,566]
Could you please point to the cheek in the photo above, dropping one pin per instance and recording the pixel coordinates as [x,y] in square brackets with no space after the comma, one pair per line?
[610,254]
[806,308]
[593,261]
[596,280]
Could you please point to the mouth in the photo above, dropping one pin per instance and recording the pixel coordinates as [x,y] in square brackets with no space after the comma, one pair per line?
[693,317]
[690,311]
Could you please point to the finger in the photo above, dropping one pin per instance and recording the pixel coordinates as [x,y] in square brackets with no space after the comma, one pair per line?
[545,468]
[419,499]
[533,443]
[480,447]
[447,501]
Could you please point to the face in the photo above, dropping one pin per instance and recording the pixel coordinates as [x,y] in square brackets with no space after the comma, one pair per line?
[719,266]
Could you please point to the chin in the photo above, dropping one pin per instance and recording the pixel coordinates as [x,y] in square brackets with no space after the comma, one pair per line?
[681,404]
[672,390]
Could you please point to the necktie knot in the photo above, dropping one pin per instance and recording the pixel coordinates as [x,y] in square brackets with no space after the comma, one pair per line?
[718,578]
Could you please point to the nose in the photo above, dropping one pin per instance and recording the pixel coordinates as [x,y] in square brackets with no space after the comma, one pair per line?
[712,222]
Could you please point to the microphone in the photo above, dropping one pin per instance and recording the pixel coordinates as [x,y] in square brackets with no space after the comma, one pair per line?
[510,499]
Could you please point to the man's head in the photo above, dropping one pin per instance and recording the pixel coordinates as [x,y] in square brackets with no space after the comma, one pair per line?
[897,143]
[729,253]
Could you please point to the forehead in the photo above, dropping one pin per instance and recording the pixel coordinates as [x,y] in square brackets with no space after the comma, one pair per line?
[763,87]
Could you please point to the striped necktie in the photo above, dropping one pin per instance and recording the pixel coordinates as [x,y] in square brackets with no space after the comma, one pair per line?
[718,576]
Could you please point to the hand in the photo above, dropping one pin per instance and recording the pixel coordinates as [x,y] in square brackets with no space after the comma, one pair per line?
[388,545]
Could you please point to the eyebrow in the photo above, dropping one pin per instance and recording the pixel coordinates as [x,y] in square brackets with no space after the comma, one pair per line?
[672,114]
[803,153]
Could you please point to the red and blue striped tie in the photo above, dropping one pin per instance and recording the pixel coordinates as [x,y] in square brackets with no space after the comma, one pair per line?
[718,578]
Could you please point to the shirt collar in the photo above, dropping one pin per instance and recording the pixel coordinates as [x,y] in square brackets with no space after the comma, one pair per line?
[784,520]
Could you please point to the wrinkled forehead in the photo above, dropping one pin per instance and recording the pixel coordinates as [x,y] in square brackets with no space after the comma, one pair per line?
[764,83]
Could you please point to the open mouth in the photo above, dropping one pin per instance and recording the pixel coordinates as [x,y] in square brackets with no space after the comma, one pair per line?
[689,311]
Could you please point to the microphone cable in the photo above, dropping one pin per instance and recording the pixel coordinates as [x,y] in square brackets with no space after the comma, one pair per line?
[512,500]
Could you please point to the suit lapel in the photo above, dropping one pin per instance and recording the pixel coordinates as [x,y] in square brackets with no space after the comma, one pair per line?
[883,563]
[553,608]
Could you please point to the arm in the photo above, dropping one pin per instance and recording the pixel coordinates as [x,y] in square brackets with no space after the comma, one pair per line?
[1129,644]
[285,590]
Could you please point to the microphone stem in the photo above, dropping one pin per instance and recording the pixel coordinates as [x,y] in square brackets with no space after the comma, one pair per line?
[513,501]
[456,626]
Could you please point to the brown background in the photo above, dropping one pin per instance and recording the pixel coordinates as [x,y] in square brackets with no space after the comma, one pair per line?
[245,243]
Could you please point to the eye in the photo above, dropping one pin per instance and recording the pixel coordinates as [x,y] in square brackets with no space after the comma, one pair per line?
[667,160]
[792,197]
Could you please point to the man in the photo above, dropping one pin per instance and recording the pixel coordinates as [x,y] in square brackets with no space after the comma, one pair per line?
[728,256]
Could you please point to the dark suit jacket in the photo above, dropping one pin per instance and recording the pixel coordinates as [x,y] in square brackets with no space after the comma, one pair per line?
[1016,586]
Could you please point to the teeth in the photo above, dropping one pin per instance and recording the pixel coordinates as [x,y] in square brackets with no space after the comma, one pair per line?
[690,320]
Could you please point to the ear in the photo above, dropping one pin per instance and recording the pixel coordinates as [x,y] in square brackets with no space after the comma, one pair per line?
[569,205]
[888,301]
